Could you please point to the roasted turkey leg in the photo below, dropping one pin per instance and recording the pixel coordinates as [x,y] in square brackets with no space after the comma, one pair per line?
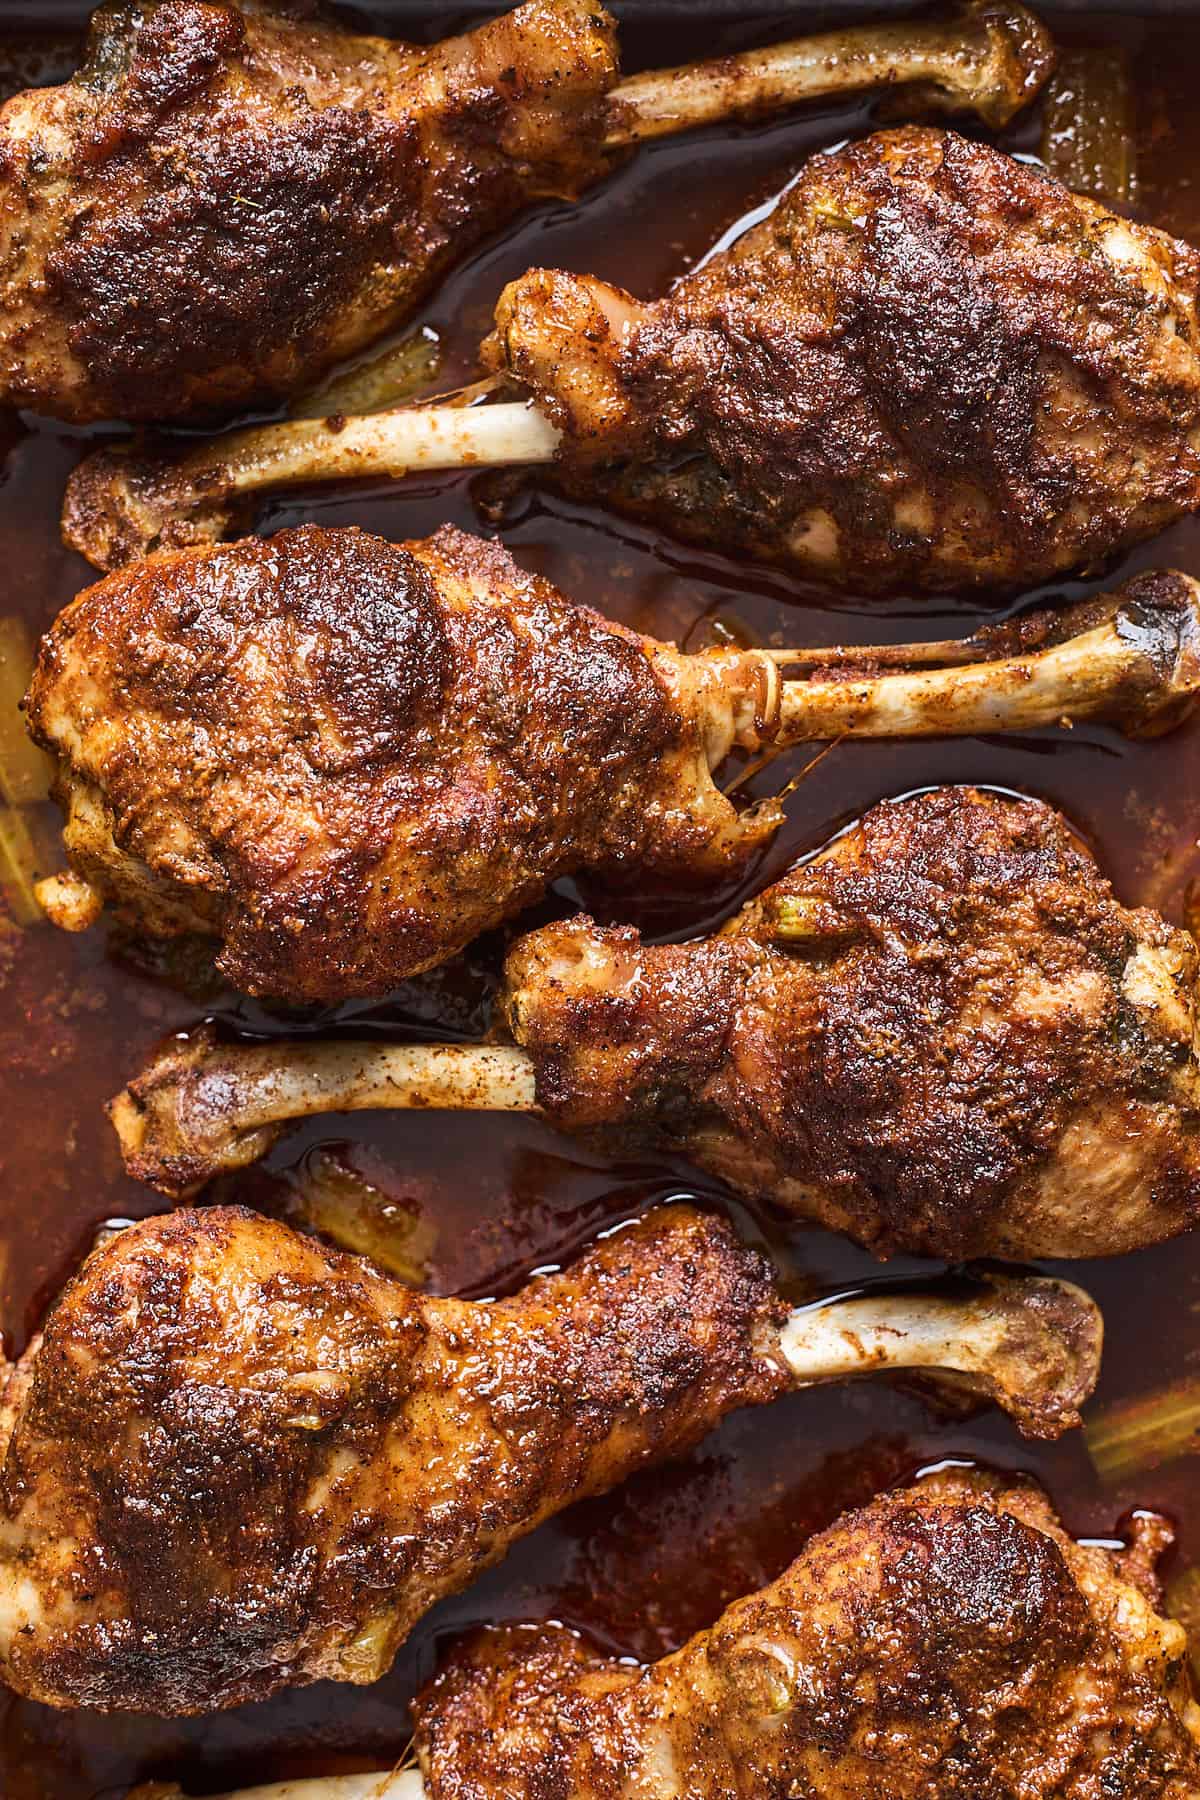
[344,759]
[228,198]
[236,1461]
[882,1665]
[944,1036]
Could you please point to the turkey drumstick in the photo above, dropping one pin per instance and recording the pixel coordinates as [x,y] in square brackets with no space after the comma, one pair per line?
[942,1036]
[228,198]
[932,367]
[884,1664]
[236,1461]
[346,758]
[961,1590]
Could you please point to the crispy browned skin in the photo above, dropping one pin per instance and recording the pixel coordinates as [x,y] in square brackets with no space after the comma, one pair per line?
[944,1036]
[947,1640]
[238,1461]
[226,199]
[932,366]
[347,758]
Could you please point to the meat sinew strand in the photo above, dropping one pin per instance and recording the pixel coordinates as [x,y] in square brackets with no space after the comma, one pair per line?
[228,198]
[344,758]
[237,1461]
[942,1036]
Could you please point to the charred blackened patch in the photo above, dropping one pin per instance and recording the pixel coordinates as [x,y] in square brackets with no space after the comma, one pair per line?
[242,235]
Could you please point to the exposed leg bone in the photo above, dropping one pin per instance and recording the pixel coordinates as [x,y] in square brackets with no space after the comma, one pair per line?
[203,1108]
[122,504]
[989,61]
[424,151]
[1009,1340]
[1131,658]
[638,789]
[1030,1346]
[822,457]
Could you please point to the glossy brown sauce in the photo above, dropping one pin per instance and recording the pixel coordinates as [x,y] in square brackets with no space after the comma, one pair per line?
[646,1567]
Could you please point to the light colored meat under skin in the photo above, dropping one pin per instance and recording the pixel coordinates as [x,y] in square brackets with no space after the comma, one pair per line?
[931,367]
[944,1036]
[348,758]
[947,1639]
[279,192]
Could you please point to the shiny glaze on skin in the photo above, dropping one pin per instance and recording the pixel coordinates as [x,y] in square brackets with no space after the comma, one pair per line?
[643,1569]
